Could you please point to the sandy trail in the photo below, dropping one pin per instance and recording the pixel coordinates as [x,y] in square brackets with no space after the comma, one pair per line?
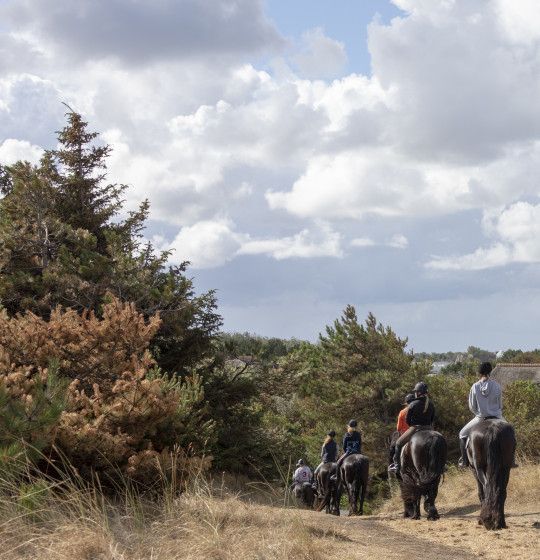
[455,536]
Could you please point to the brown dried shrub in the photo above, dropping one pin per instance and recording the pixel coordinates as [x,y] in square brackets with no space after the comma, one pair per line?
[121,414]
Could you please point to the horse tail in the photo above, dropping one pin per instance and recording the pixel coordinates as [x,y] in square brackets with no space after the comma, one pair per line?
[436,461]
[497,473]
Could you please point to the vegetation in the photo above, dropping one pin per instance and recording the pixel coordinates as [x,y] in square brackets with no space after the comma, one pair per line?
[110,363]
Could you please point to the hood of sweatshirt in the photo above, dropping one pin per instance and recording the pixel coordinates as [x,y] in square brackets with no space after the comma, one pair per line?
[485,387]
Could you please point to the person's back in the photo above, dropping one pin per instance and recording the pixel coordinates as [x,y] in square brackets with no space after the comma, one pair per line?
[485,398]
[421,412]
[352,442]
[329,451]
[302,474]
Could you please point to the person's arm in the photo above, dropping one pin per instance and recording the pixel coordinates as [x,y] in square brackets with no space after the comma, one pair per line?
[345,439]
[323,450]
[359,442]
[409,416]
[473,404]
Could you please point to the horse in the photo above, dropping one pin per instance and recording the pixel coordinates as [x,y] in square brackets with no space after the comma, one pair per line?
[354,473]
[490,449]
[304,494]
[423,461]
[329,490]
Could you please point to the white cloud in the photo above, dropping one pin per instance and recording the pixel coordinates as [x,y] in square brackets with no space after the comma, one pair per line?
[306,244]
[207,244]
[520,19]
[517,229]
[398,241]
[212,243]
[362,242]
[12,150]
[322,57]
[432,132]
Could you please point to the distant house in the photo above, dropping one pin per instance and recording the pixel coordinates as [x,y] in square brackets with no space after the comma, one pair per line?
[506,373]
[436,367]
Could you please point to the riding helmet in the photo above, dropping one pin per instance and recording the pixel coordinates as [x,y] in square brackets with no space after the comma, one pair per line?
[353,423]
[409,398]
[332,433]
[421,388]
[300,462]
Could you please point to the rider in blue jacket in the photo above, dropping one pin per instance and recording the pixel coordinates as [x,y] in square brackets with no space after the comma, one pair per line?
[352,443]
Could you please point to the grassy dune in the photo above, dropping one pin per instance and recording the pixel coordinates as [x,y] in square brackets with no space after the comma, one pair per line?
[221,523]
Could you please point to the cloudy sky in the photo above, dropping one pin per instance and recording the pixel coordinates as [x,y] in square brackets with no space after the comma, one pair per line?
[307,154]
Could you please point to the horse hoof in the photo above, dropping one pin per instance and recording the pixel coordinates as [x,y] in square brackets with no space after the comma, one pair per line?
[433,517]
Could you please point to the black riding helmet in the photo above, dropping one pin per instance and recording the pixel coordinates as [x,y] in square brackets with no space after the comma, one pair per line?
[332,433]
[421,388]
[409,398]
[300,462]
[352,424]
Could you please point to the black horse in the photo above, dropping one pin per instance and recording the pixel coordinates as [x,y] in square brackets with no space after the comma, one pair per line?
[329,490]
[422,465]
[354,476]
[491,448]
[304,494]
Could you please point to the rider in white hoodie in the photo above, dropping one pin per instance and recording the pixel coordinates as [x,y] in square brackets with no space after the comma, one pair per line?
[485,401]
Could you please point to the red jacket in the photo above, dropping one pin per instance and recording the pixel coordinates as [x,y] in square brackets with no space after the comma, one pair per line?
[402,425]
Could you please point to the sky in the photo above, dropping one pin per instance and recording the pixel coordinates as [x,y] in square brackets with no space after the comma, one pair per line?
[309,154]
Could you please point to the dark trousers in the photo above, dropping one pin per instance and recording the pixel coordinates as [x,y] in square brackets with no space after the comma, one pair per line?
[405,438]
[392,448]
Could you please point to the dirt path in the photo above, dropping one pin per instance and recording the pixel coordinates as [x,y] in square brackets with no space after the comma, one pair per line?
[455,536]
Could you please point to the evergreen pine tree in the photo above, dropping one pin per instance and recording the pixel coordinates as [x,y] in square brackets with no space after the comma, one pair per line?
[62,242]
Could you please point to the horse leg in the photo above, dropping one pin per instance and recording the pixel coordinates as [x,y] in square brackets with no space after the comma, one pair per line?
[416,507]
[429,502]
[480,490]
[352,498]
[362,496]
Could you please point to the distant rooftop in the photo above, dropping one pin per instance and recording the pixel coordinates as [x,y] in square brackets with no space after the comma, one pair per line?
[505,373]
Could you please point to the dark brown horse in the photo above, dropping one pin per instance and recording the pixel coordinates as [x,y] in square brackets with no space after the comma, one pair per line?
[304,494]
[491,448]
[354,476]
[422,465]
[329,492]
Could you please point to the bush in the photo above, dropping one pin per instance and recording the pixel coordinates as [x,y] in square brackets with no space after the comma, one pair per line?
[119,415]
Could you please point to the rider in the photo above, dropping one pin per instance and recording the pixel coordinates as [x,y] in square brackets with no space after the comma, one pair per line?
[485,401]
[301,474]
[328,454]
[352,443]
[401,426]
[420,416]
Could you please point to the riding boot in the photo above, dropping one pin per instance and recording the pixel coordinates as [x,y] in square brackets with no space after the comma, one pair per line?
[464,459]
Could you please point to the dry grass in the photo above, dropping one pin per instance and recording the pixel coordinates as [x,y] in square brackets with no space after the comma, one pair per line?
[213,522]
[458,505]
[206,522]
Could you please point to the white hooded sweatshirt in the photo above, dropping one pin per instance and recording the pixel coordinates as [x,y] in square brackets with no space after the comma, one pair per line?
[485,398]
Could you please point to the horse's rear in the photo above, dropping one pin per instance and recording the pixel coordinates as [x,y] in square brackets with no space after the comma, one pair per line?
[354,475]
[422,466]
[304,494]
[329,493]
[491,449]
